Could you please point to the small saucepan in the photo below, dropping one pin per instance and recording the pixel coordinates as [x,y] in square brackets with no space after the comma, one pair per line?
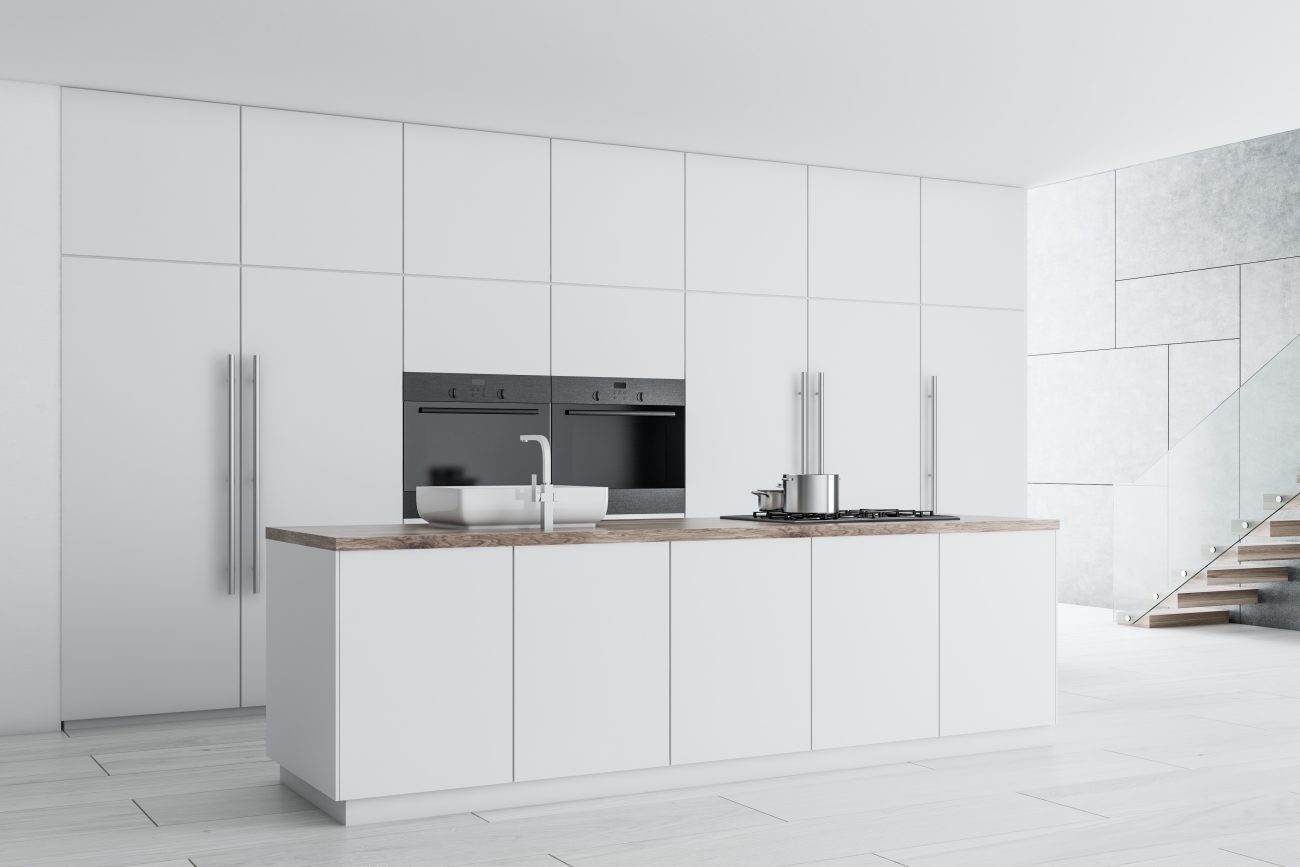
[770,499]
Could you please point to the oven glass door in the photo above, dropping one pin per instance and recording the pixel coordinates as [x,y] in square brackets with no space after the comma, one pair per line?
[638,452]
[469,444]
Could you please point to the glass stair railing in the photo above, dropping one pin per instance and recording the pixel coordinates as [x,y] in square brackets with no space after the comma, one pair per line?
[1178,526]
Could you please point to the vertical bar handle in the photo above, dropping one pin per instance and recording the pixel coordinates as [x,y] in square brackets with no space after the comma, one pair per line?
[934,443]
[821,422]
[232,543]
[803,421]
[258,531]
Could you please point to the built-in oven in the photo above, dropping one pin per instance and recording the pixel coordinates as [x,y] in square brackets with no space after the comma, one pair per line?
[625,434]
[462,429]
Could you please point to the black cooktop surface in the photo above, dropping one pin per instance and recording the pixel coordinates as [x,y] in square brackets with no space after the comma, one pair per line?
[845,516]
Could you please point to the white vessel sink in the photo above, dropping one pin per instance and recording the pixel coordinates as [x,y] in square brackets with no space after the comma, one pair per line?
[507,506]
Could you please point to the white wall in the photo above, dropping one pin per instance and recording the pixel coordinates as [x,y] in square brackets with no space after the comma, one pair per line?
[29,394]
[1154,292]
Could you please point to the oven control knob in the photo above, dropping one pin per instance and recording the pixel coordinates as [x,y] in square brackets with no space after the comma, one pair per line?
[501,394]
[595,395]
[451,392]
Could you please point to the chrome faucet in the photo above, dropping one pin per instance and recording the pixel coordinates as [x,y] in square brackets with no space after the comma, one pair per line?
[544,493]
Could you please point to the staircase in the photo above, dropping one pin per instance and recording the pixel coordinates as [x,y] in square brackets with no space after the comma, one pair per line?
[1217,517]
[1251,560]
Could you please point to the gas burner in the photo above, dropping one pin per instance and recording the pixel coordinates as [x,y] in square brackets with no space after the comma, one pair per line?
[845,516]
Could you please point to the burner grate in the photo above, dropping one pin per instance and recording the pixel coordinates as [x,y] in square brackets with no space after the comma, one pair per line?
[845,515]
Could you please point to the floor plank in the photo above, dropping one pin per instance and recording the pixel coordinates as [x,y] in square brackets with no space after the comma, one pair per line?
[80,819]
[13,773]
[209,755]
[223,804]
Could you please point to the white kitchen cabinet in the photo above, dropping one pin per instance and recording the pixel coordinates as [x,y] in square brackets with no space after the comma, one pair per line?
[477,326]
[616,215]
[744,357]
[29,389]
[477,204]
[979,357]
[746,226]
[329,357]
[603,331]
[997,633]
[864,235]
[591,659]
[741,648]
[875,627]
[869,355]
[424,664]
[150,178]
[150,609]
[321,191]
[974,245]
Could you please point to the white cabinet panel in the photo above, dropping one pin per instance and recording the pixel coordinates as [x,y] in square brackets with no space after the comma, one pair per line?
[601,331]
[875,639]
[979,357]
[150,178]
[997,645]
[424,670]
[864,235]
[150,624]
[321,191]
[329,354]
[741,648]
[973,244]
[744,355]
[870,355]
[477,326]
[477,204]
[591,659]
[746,226]
[616,215]
[29,391]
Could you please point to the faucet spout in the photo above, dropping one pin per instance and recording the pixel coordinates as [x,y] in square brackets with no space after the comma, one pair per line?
[546,453]
[544,494]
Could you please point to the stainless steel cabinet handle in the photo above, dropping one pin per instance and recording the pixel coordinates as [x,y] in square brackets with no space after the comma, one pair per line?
[821,422]
[803,422]
[258,532]
[232,572]
[934,443]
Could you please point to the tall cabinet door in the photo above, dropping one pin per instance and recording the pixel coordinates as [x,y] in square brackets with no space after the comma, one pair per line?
[323,409]
[979,357]
[150,611]
[868,406]
[744,355]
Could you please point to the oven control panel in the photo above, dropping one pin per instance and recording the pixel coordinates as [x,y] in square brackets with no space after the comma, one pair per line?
[620,393]
[590,390]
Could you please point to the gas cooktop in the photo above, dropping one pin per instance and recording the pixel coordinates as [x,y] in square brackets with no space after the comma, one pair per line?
[846,516]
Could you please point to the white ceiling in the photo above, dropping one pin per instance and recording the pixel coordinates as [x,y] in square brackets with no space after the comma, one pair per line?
[1008,91]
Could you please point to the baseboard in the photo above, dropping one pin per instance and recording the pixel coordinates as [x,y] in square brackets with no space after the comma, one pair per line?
[421,805]
[114,721]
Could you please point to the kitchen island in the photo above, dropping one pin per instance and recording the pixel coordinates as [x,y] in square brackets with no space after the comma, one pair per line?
[416,671]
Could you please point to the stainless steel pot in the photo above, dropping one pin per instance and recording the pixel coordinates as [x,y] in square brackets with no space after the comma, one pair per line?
[770,499]
[812,493]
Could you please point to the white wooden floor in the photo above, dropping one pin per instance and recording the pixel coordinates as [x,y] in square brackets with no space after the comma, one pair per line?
[1176,747]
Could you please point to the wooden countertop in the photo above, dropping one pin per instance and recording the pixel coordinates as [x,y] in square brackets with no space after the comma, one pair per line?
[392,537]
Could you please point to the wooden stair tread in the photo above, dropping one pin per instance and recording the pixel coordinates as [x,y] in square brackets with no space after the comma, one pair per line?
[1274,551]
[1247,575]
[1202,598]
[1159,619]
[1284,527]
